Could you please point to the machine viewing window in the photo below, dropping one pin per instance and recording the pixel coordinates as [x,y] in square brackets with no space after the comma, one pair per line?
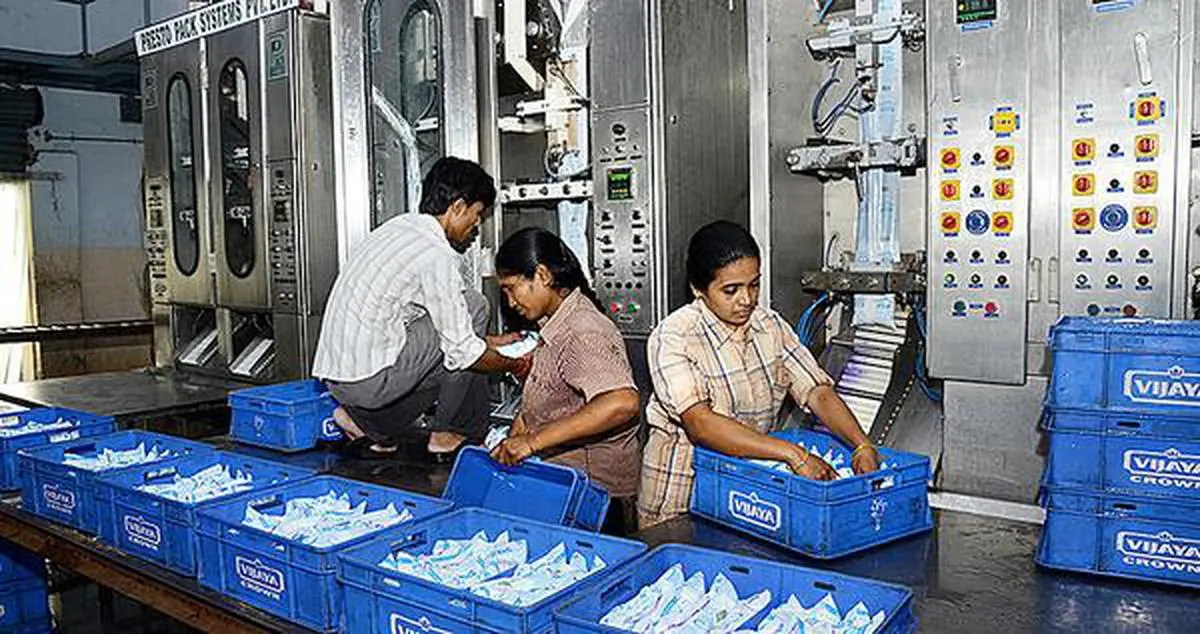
[976,10]
[181,151]
[620,183]
[404,70]
[238,199]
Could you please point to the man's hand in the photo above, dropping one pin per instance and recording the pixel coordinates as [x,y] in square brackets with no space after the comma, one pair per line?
[515,450]
[522,367]
[865,461]
[495,341]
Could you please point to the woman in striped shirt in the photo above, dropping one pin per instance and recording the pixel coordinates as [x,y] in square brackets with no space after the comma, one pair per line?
[721,368]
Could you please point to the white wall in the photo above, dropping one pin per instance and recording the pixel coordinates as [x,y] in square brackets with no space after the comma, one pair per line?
[87,219]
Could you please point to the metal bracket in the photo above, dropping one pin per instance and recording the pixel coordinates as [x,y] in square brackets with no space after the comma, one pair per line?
[908,278]
[846,33]
[904,154]
[544,106]
[545,191]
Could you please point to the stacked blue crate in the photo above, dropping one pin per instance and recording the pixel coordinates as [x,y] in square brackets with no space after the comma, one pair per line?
[1122,481]
[24,601]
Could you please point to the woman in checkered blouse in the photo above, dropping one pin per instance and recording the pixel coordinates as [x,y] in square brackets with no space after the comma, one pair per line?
[722,367]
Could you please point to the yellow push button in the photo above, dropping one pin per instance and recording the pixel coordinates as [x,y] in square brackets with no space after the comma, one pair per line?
[1083,218]
[950,190]
[1145,182]
[951,158]
[1083,149]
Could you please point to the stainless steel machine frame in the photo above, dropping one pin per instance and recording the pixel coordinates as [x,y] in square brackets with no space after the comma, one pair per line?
[263,173]
[354,104]
[670,116]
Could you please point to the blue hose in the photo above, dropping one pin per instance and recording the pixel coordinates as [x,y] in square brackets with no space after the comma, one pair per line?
[804,327]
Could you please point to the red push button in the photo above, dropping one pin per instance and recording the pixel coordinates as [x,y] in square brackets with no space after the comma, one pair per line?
[1083,185]
[1002,156]
[950,222]
[1083,149]
[614,308]
[991,308]
[1002,221]
[950,158]
[1129,310]
[950,190]
[1083,219]
[1145,182]
[1002,188]
[1146,146]
[1145,217]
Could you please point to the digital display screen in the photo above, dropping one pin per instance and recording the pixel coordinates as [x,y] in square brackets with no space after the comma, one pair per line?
[976,11]
[620,183]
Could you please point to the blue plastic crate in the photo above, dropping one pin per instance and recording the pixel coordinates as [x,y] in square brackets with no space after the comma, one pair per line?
[1151,539]
[1130,365]
[750,576]
[285,417]
[162,530]
[818,519]
[292,580]
[62,493]
[382,600]
[25,607]
[85,425]
[535,490]
[18,564]
[1124,453]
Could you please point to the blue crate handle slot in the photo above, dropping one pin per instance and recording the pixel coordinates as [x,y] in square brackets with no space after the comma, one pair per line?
[272,501]
[611,592]
[1124,507]
[419,538]
[825,586]
[1129,424]
[738,569]
[878,482]
[159,474]
[81,449]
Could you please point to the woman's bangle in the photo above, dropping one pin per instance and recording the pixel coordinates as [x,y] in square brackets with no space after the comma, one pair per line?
[804,454]
[860,447]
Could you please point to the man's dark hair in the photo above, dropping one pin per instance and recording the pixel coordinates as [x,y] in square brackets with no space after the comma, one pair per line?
[451,179]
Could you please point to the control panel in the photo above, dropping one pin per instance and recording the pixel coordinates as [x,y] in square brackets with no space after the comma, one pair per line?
[281,247]
[1118,157]
[623,251]
[978,199]
[156,238]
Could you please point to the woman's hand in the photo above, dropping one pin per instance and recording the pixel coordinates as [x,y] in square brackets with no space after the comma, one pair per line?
[515,450]
[519,428]
[866,460]
[810,466]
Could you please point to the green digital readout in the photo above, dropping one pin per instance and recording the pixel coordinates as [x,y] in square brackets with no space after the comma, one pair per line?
[976,11]
[620,183]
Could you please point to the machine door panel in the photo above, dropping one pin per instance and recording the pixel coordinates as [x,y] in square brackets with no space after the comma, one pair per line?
[177,219]
[235,144]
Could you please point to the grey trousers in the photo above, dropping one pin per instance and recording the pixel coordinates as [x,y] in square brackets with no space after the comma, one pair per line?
[386,404]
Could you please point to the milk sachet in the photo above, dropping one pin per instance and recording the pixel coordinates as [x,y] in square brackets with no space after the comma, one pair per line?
[791,617]
[324,520]
[462,563]
[678,605]
[215,481]
[13,426]
[533,582]
[836,460]
[108,459]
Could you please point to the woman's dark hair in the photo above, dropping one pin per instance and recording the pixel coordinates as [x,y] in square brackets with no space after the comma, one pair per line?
[524,250]
[714,246]
[451,179]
